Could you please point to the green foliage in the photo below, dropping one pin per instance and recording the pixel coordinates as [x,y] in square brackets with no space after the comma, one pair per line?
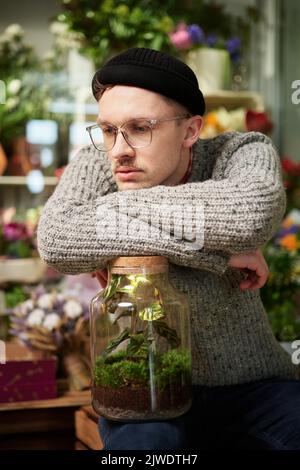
[174,365]
[138,345]
[117,370]
[153,312]
[29,85]
[162,329]
[116,341]
[14,295]
[139,342]
[110,26]
[280,293]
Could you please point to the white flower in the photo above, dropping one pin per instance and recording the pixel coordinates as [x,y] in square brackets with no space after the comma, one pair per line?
[25,307]
[51,321]
[14,86]
[72,309]
[14,30]
[45,301]
[294,215]
[36,317]
[58,28]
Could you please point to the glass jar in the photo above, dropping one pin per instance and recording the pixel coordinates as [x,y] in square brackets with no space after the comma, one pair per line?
[140,343]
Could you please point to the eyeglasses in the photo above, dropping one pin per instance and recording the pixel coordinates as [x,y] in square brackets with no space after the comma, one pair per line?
[136,132]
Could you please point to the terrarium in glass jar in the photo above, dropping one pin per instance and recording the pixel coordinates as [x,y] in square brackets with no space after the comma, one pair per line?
[140,343]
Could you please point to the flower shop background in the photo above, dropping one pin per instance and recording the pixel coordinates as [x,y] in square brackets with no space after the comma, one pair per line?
[241,52]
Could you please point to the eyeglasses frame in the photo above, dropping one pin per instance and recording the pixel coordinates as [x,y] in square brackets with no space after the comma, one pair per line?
[152,123]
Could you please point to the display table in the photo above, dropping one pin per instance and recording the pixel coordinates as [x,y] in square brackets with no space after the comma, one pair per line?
[43,424]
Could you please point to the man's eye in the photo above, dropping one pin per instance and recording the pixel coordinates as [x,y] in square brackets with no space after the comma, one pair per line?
[108,130]
[139,128]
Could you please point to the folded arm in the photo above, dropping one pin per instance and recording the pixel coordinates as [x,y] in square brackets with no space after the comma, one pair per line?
[241,210]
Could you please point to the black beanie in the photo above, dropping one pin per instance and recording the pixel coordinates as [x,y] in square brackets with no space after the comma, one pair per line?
[156,71]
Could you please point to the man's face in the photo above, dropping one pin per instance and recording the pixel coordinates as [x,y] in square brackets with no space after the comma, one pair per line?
[160,162]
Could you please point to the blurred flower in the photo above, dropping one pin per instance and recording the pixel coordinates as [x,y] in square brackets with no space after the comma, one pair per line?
[15,231]
[211,40]
[258,121]
[51,321]
[192,37]
[45,301]
[222,120]
[35,318]
[291,167]
[18,238]
[196,34]
[72,309]
[281,294]
[233,45]
[181,39]
[13,31]
[291,180]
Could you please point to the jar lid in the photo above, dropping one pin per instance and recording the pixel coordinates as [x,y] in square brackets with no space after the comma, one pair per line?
[139,264]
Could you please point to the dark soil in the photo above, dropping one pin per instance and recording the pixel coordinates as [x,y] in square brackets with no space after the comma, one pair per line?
[134,402]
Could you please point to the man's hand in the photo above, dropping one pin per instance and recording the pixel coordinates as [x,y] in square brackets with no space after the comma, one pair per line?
[101,275]
[254,265]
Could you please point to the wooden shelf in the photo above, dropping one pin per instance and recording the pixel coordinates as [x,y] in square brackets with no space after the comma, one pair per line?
[22,180]
[68,399]
[234,99]
[41,424]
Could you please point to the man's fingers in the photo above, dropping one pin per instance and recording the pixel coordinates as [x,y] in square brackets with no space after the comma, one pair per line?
[101,276]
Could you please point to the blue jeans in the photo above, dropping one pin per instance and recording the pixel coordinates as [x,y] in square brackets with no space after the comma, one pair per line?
[260,415]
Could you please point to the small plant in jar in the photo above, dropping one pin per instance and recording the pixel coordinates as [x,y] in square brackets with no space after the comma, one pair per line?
[140,343]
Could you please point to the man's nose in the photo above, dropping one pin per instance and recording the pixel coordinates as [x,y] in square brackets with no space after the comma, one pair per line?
[121,148]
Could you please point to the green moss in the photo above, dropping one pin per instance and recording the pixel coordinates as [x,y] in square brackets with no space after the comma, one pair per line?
[118,369]
[175,365]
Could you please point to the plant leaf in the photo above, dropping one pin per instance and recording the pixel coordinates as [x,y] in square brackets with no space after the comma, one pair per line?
[112,287]
[138,345]
[155,311]
[116,341]
[162,329]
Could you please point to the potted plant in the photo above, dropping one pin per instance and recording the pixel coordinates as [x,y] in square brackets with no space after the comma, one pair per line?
[213,42]
[108,27]
[19,258]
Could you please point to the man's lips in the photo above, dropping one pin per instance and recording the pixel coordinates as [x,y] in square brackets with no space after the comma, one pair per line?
[127,173]
[126,169]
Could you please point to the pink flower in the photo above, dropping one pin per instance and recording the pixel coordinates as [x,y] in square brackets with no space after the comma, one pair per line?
[15,231]
[181,39]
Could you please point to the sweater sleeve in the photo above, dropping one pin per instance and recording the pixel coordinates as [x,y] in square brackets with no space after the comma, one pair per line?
[82,225]
[238,210]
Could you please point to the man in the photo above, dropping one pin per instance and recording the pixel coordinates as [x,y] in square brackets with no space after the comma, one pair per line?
[225,199]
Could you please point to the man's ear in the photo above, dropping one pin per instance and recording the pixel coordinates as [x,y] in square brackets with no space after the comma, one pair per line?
[192,131]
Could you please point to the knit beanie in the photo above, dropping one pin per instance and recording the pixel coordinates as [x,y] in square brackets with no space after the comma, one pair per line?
[156,71]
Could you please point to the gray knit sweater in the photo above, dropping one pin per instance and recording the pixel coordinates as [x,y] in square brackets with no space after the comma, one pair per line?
[236,179]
